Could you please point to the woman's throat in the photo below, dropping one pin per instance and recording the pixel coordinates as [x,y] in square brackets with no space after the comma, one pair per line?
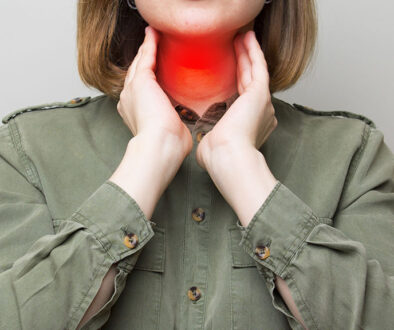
[197,73]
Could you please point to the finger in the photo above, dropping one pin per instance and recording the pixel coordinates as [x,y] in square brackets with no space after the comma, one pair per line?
[149,50]
[244,67]
[237,58]
[256,56]
[137,58]
[132,68]
[134,64]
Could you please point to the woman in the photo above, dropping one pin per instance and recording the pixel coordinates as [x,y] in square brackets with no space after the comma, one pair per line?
[186,196]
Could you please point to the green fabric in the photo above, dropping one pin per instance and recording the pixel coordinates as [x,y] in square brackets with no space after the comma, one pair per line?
[329,225]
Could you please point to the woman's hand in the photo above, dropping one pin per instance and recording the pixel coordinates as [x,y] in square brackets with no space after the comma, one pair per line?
[143,105]
[229,152]
[161,140]
[251,118]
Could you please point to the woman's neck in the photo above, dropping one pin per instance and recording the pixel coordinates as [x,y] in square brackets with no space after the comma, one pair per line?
[197,71]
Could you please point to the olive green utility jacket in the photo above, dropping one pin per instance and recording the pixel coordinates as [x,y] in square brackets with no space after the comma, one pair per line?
[327,227]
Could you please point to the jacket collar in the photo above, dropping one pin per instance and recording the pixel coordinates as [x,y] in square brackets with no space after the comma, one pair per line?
[211,116]
[281,146]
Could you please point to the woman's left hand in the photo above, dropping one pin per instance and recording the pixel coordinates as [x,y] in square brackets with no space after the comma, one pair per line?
[229,151]
[251,118]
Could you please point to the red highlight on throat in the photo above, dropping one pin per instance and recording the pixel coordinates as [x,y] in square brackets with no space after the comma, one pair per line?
[196,69]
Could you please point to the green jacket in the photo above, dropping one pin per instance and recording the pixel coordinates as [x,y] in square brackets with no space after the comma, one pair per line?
[328,225]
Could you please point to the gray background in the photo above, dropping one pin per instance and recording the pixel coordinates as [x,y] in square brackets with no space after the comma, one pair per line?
[353,68]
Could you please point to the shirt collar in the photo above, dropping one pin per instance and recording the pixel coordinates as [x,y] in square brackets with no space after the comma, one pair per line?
[212,115]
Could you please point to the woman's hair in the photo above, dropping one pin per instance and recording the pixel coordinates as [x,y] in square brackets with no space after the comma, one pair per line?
[110,33]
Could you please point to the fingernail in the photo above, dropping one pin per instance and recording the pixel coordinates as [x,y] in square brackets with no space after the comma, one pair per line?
[146,29]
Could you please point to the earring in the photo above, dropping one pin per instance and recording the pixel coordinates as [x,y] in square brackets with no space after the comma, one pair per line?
[131,4]
[268,1]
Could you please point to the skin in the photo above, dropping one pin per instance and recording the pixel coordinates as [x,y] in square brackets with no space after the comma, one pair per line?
[196,46]
[227,61]
[231,60]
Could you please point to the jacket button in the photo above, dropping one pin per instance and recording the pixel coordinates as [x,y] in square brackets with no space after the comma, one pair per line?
[262,252]
[76,100]
[194,293]
[130,240]
[186,114]
[199,136]
[198,214]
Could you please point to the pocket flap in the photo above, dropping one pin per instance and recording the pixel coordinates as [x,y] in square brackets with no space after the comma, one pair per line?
[239,257]
[153,254]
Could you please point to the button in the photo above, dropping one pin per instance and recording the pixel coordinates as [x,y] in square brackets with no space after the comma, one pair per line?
[76,100]
[262,252]
[194,293]
[198,214]
[186,114]
[130,240]
[200,135]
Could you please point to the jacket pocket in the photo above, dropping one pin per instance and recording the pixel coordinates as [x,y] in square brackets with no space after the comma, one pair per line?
[251,304]
[138,306]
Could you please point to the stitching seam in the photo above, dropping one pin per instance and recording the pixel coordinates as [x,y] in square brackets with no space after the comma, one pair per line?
[30,172]
[353,166]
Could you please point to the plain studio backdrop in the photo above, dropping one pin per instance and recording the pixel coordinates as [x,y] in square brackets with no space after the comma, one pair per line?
[353,67]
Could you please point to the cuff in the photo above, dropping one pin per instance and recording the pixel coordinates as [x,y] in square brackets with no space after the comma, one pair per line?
[116,221]
[278,230]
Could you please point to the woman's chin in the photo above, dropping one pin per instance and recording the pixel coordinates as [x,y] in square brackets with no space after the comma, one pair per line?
[194,28]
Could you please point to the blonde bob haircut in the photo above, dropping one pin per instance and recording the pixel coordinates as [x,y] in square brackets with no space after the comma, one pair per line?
[109,34]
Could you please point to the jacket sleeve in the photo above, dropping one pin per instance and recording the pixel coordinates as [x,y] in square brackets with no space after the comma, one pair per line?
[340,270]
[50,270]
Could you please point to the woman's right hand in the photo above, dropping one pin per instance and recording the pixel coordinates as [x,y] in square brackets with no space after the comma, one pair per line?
[143,105]
[161,140]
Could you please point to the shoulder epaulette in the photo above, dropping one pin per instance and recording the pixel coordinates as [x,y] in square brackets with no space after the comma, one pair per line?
[75,102]
[346,114]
